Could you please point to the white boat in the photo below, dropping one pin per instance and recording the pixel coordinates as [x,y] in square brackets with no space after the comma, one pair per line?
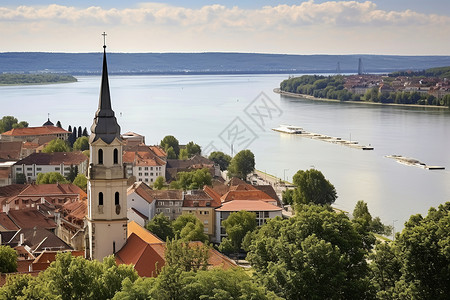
[289,129]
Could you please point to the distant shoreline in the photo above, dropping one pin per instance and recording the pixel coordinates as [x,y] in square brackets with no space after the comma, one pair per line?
[309,97]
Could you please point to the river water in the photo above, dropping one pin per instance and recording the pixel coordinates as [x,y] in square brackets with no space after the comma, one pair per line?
[231,112]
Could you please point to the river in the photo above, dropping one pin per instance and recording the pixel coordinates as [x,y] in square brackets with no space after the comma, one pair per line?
[230,112]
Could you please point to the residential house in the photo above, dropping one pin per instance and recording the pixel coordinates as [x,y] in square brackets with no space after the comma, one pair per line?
[140,203]
[168,202]
[201,203]
[70,222]
[144,164]
[61,162]
[133,139]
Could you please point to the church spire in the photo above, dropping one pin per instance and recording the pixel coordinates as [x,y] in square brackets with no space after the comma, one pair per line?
[105,125]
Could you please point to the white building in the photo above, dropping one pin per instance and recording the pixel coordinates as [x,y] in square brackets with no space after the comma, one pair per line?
[144,165]
[141,206]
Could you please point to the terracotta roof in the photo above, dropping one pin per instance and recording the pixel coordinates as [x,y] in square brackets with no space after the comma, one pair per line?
[35,131]
[166,194]
[143,233]
[268,189]
[248,205]
[200,198]
[219,187]
[215,196]
[242,187]
[53,189]
[11,190]
[10,150]
[146,256]
[31,218]
[75,210]
[142,189]
[236,181]
[55,158]
[158,151]
[6,222]
[247,195]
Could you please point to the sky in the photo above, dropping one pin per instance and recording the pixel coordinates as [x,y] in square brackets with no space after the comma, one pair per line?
[398,27]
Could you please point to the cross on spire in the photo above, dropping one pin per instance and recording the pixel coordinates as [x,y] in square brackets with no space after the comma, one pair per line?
[104,39]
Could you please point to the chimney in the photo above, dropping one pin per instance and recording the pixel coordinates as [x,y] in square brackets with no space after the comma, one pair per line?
[21,238]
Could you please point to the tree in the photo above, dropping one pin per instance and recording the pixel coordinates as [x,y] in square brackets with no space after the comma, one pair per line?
[79,132]
[193,149]
[81,181]
[161,226]
[21,178]
[242,164]
[9,122]
[183,154]
[287,196]
[72,173]
[188,227]
[237,225]
[220,158]
[58,124]
[317,254]
[170,141]
[81,144]
[159,183]
[186,256]
[14,286]
[171,153]
[8,259]
[362,216]
[70,128]
[85,133]
[312,187]
[50,178]
[56,145]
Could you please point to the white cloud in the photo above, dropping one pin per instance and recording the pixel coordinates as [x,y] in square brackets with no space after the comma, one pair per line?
[216,27]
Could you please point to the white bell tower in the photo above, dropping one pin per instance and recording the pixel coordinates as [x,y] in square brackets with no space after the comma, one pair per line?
[107,184]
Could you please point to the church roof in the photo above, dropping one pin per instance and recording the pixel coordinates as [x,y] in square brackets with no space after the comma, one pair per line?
[105,126]
[48,123]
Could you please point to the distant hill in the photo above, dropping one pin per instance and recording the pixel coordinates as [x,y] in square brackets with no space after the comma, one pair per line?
[210,63]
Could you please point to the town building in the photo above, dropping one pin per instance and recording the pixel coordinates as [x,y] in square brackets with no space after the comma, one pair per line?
[29,134]
[144,164]
[140,203]
[61,162]
[107,184]
[168,202]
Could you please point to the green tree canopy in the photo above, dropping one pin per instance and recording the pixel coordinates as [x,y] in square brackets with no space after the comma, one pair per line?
[56,145]
[159,183]
[188,227]
[81,144]
[21,178]
[171,153]
[81,181]
[317,254]
[183,154]
[242,164]
[186,257]
[237,225]
[8,259]
[9,122]
[50,177]
[161,226]
[362,216]
[312,187]
[195,179]
[193,149]
[170,141]
[220,158]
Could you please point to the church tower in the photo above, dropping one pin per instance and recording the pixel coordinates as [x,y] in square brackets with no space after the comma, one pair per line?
[107,184]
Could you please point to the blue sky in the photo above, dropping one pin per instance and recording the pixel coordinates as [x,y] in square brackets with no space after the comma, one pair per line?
[403,27]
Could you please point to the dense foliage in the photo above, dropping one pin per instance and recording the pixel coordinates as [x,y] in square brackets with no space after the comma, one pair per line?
[56,145]
[81,144]
[237,225]
[312,187]
[242,164]
[50,178]
[8,259]
[81,181]
[170,142]
[442,72]
[22,79]
[220,158]
[9,122]
[192,180]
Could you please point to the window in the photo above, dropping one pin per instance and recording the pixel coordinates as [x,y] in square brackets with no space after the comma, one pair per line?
[117,198]
[146,179]
[140,168]
[151,174]
[152,180]
[100,198]
[146,173]
[151,168]
[38,169]
[168,210]
[100,156]
[170,203]
[56,168]
[158,210]
[205,222]
[19,169]
[146,168]
[140,174]
[116,156]
[67,168]
[29,169]
[29,174]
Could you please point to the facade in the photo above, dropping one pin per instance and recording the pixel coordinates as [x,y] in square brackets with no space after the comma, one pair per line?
[262,209]
[107,184]
[60,162]
[141,206]
[144,165]
[168,202]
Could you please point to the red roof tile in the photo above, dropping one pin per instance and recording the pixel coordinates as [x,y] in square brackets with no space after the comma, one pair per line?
[142,189]
[35,131]
[30,219]
[6,222]
[247,195]
[248,205]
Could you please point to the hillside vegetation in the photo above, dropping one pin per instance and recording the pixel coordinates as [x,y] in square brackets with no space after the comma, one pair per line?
[22,79]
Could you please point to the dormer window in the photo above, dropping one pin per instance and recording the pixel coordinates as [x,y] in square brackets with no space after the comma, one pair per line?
[116,156]
[100,156]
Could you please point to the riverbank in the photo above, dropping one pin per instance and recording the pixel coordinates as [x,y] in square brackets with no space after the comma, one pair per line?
[309,97]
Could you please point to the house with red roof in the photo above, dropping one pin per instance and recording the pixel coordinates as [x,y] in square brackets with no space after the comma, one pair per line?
[28,134]
[144,164]
[61,162]
[140,203]
[147,255]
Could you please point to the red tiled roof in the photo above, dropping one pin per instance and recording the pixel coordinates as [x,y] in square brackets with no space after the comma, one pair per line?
[246,195]
[142,158]
[167,194]
[30,219]
[143,233]
[43,130]
[55,158]
[248,205]
[53,189]
[10,150]
[11,190]
[142,190]
[158,151]
[6,222]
